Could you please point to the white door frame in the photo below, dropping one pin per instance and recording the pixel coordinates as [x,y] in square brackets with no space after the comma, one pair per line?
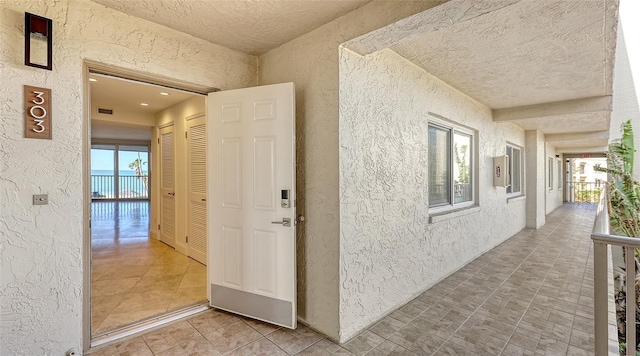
[89,66]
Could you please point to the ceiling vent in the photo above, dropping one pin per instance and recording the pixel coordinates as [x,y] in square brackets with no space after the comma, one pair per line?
[105,111]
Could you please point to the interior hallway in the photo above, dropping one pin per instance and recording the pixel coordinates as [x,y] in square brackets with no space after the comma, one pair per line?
[134,277]
[531,295]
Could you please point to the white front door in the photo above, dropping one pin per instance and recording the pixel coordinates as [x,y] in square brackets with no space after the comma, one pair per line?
[251,187]
[167,187]
[197,189]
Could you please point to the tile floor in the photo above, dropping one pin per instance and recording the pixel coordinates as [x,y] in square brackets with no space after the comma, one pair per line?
[531,295]
[134,277]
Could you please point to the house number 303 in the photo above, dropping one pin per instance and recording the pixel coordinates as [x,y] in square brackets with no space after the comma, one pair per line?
[37,112]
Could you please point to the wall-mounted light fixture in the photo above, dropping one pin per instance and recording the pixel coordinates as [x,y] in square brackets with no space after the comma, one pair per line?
[38,41]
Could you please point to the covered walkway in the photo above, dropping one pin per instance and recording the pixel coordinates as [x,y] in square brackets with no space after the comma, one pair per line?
[531,295]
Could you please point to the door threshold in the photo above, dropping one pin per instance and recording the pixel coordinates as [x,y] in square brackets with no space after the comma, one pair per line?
[121,333]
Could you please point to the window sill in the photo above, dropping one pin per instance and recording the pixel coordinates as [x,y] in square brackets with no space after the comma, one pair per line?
[452,214]
[515,199]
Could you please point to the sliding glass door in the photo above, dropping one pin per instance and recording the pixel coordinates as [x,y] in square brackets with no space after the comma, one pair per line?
[119,171]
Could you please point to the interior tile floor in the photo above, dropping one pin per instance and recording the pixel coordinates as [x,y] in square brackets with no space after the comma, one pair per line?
[134,277]
[531,295]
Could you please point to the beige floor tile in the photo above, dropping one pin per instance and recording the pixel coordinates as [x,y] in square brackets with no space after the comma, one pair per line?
[153,282]
[174,351]
[196,267]
[184,297]
[121,272]
[135,346]
[513,300]
[114,286]
[194,279]
[232,337]
[115,320]
[148,300]
[172,259]
[167,270]
[106,303]
[261,346]
[160,340]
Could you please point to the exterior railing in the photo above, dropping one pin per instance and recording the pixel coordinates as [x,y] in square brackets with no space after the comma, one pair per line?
[584,192]
[125,187]
[601,239]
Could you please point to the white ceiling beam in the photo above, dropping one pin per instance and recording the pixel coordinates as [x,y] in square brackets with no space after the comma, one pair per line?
[577,136]
[569,107]
[582,150]
[442,16]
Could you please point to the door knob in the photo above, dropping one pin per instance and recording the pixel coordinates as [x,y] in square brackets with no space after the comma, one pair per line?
[284,222]
[203,199]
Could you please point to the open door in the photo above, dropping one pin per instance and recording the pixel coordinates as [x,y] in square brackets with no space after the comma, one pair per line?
[251,215]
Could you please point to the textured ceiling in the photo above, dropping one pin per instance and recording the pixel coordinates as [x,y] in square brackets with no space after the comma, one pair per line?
[527,53]
[250,26]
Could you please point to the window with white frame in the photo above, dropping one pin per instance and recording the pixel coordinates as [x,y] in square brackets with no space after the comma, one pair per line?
[515,170]
[550,173]
[450,166]
[559,164]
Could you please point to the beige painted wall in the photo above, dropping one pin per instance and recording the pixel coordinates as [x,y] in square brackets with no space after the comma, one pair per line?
[176,116]
[123,117]
[42,246]
[311,62]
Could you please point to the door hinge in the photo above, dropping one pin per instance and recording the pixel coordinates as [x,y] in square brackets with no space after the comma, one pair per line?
[185,134]
[187,239]
[158,226]
[158,141]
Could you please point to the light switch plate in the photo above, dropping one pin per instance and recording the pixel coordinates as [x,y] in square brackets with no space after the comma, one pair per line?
[40,199]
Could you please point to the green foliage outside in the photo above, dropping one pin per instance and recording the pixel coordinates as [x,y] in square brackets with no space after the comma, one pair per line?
[136,166]
[623,205]
[622,190]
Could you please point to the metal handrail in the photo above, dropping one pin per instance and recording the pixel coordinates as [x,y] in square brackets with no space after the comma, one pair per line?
[601,238]
[118,187]
[584,192]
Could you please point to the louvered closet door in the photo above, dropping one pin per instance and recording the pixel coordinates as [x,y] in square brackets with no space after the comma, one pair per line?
[167,187]
[197,188]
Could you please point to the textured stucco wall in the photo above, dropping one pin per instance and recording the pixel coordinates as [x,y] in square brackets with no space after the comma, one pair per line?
[41,246]
[176,116]
[389,252]
[625,100]
[311,62]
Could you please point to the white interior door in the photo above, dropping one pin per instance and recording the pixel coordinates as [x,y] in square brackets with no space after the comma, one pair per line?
[167,187]
[197,189]
[251,150]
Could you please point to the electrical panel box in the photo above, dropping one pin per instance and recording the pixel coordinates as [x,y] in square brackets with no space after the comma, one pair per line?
[501,171]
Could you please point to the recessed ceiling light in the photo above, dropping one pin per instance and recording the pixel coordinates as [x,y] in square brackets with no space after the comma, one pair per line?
[164,93]
[144,104]
[93,79]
